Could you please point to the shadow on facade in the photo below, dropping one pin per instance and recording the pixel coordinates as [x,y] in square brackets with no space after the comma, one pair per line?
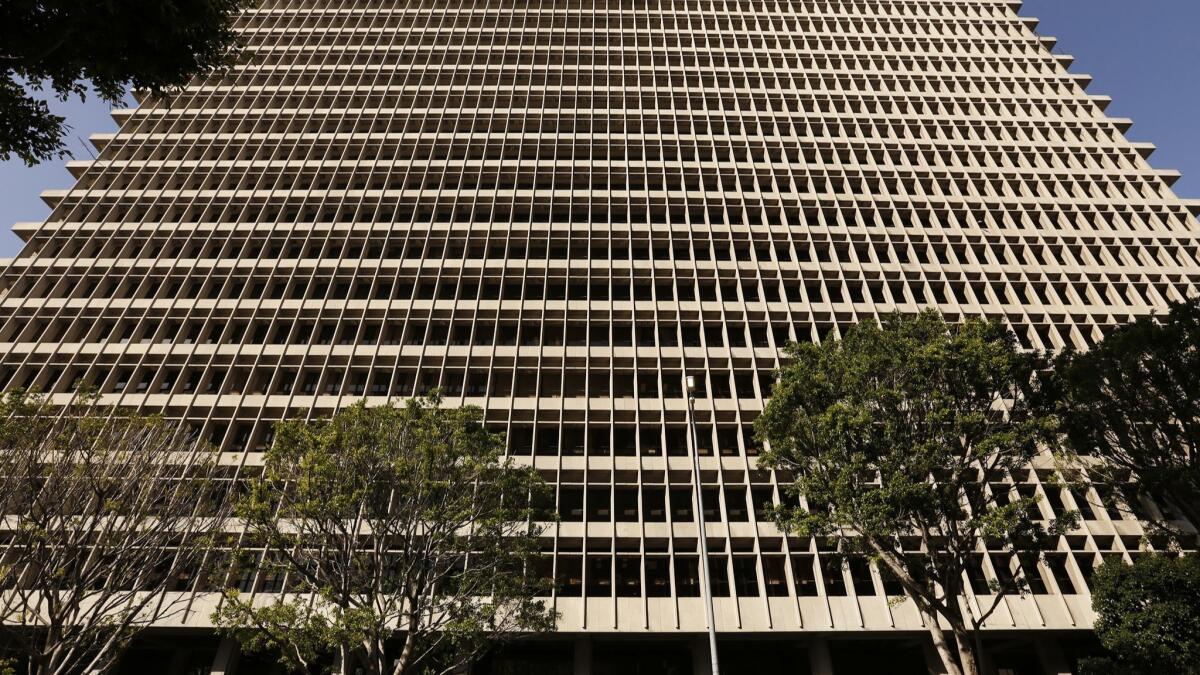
[196,654]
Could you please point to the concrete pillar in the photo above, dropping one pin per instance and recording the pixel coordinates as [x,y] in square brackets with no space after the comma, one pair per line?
[225,661]
[701,658]
[583,656]
[1051,657]
[820,661]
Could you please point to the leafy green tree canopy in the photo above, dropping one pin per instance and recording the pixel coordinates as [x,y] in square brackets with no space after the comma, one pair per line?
[1148,615]
[113,45]
[892,434]
[1134,402]
[408,539]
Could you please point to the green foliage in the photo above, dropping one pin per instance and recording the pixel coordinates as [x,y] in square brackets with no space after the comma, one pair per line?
[894,431]
[289,629]
[114,45]
[868,421]
[1148,615]
[398,521]
[1106,665]
[1101,665]
[1134,402]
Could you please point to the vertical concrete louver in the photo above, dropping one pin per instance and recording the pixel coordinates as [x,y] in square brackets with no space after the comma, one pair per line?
[555,210]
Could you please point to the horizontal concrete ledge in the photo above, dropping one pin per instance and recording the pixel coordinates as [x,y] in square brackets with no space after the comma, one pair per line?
[24,230]
[120,115]
[1169,176]
[101,140]
[1084,80]
[1192,205]
[1144,149]
[54,197]
[78,166]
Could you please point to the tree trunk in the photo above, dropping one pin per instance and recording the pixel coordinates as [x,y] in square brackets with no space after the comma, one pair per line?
[966,654]
[941,644]
[376,656]
[342,662]
[892,562]
[405,655]
[47,660]
[404,661]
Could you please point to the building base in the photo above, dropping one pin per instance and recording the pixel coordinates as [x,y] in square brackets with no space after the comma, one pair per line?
[1055,653]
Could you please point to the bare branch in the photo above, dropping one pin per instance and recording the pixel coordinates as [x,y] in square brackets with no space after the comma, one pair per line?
[110,515]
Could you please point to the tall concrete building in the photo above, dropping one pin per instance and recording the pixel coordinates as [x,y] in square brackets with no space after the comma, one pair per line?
[559,209]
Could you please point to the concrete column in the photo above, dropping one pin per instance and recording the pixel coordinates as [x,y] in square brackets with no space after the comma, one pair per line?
[820,661]
[225,661]
[583,656]
[1051,657]
[701,658]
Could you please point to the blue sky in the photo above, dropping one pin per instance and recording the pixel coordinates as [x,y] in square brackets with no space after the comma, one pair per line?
[1143,53]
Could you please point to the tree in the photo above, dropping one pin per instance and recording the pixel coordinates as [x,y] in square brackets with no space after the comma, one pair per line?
[109,517]
[407,541]
[893,433]
[113,46]
[1148,615]
[1133,403]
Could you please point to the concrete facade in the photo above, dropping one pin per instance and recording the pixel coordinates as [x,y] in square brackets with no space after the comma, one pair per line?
[556,211]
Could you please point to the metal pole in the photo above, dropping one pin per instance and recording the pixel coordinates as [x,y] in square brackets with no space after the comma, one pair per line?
[705,580]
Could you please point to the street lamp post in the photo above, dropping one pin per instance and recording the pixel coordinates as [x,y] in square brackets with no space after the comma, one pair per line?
[698,500]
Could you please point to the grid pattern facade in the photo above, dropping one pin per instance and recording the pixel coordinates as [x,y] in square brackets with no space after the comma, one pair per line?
[556,210]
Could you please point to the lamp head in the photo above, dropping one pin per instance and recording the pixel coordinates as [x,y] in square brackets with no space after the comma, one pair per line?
[691,384]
